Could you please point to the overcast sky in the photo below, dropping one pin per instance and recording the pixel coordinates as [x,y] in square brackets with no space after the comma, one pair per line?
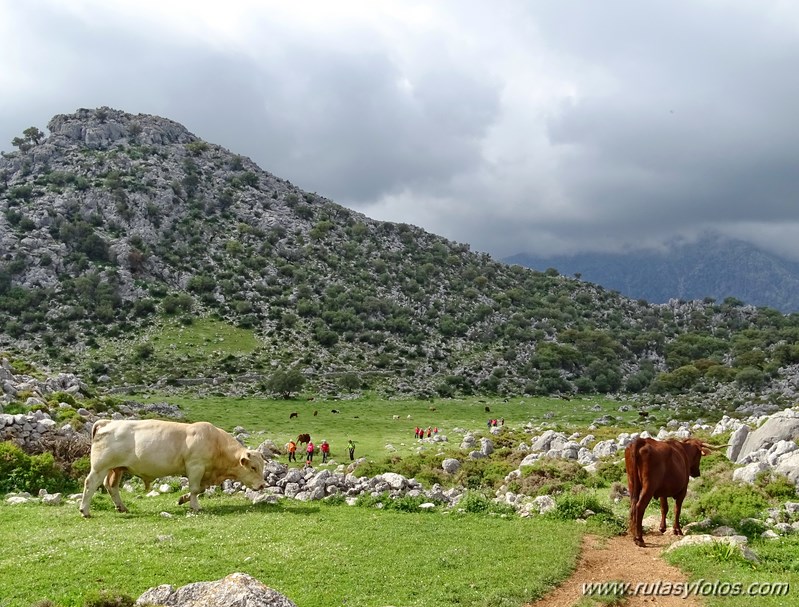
[540,126]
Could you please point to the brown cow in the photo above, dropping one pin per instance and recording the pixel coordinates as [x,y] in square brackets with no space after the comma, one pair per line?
[303,439]
[292,415]
[660,469]
[154,448]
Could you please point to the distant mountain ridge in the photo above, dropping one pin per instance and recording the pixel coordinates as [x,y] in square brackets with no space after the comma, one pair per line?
[712,267]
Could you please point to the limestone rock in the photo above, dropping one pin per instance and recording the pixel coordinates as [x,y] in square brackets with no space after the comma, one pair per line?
[235,590]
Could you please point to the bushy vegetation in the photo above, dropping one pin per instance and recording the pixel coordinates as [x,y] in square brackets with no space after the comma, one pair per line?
[22,472]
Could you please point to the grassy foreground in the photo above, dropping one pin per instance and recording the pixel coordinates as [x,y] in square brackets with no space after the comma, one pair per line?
[779,564]
[316,554]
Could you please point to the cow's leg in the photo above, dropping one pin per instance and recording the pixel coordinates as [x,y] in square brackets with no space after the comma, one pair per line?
[195,474]
[112,481]
[640,509]
[677,507]
[90,485]
[664,510]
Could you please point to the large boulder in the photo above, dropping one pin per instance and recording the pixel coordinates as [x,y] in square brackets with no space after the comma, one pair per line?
[736,442]
[783,425]
[235,590]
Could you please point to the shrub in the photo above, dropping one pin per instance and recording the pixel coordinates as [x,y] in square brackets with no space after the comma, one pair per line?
[108,599]
[62,397]
[22,472]
[476,502]
[607,473]
[548,475]
[724,553]
[776,486]
[571,506]
[751,527]
[485,472]
[728,504]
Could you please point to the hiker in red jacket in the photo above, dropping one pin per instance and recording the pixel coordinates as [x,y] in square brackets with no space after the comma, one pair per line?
[325,449]
[309,454]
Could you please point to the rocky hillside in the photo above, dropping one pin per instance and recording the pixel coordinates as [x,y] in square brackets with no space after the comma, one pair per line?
[116,225]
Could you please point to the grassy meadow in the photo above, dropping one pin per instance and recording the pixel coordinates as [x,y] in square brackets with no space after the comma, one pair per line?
[369,421]
[317,554]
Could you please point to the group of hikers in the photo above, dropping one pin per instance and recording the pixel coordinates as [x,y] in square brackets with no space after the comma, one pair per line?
[420,432]
[310,449]
[493,423]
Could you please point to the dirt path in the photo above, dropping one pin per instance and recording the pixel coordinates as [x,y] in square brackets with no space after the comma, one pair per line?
[619,560]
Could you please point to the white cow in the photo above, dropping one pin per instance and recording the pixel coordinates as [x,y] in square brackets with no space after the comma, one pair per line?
[152,448]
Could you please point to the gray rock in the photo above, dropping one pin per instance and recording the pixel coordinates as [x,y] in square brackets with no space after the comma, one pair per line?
[544,503]
[789,466]
[52,499]
[736,442]
[451,465]
[235,590]
[605,448]
[783,425]
[16,500]
[394,480]
[748,473]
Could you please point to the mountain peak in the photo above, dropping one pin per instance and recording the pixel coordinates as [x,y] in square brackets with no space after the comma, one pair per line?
[104,127]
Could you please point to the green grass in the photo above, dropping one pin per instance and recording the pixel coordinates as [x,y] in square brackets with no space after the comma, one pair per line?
[369,420]
[779,562]
[316,554]
[204,337]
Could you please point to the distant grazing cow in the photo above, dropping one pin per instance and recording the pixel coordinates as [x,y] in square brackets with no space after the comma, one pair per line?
[335,411]
[395,417]
[153,448]
[292,415]
[315,413]
[660,469]
[303,438]
[488,409]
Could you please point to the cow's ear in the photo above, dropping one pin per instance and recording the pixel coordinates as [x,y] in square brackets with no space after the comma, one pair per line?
[245,460]
[706,451]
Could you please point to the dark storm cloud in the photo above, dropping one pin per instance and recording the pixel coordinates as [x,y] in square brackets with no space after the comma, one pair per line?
[546,127]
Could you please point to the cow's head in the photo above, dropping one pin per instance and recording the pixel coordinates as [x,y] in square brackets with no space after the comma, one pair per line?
[251,471]
[695,449]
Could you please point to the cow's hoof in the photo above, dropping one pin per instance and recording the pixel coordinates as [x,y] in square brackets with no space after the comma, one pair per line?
[122,509]
[678,532]
[639,542]
[663,530]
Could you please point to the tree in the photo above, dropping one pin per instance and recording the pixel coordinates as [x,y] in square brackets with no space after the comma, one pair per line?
[350,382]
[285,382]
[33,134]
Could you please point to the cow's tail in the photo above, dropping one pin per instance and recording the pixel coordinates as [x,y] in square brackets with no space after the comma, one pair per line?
[99,424]
[633,482]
